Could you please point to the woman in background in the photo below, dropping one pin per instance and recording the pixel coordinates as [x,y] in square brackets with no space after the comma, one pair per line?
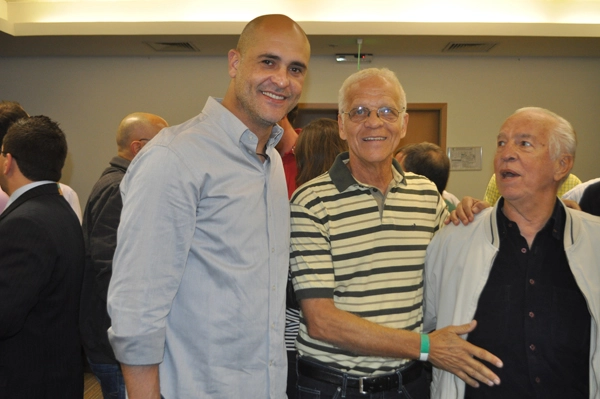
[316,149]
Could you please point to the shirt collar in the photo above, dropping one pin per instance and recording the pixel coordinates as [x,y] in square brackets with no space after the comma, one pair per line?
[342,178]
[23,189]
[556,222]
[236,127]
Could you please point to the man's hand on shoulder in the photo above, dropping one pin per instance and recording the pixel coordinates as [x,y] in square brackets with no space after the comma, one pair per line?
[466,210]
[448,351]
[571,204]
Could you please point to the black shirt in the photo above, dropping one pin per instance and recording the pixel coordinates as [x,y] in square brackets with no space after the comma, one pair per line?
[532,315]
[590,201]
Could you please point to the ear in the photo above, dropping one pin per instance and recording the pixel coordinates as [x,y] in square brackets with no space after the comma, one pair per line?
[404,125]
[341,127]
[9,164]
[234,57]
[135,147]
[563,166]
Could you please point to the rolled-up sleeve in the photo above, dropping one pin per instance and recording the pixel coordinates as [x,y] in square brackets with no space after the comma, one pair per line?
[153,241]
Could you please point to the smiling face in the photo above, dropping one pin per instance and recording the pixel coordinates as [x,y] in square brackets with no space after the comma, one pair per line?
[524,169]
[268,71]
[373,141]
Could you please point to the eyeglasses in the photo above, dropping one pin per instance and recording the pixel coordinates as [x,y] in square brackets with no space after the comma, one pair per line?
[143,139]
[360,114]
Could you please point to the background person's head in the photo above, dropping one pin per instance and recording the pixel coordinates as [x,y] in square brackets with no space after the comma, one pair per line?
[426,159]
[134,132]
[39,147]
[316,149]
[10,112]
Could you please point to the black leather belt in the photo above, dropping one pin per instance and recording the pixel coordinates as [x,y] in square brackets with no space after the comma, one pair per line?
[364,385]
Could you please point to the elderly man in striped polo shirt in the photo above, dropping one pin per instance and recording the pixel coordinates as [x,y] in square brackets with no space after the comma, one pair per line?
[359,236]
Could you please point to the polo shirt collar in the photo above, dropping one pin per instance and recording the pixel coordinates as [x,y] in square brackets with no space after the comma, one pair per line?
[342,178]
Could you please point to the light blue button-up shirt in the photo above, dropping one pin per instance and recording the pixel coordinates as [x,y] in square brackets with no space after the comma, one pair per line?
[200,268]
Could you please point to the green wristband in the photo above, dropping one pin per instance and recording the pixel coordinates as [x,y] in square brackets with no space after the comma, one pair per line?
[424,348]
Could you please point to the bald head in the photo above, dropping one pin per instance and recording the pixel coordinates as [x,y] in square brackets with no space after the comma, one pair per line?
[274,23]
[135,130]
[267,71]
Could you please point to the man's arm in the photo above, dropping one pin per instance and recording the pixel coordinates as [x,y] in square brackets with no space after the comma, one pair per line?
[153,241]
[325,322]
[466,210]
[468,207]
[141,381]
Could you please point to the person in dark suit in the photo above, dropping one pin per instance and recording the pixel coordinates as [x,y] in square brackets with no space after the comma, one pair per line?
[41,266]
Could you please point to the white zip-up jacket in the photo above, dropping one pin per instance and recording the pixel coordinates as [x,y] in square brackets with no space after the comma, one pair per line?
[457,266]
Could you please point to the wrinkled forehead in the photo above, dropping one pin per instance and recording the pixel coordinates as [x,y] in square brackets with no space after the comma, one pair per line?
[529,124]
[373,88]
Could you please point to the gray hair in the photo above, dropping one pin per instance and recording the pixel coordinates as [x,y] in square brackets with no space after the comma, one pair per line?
[563,138]
[366,74]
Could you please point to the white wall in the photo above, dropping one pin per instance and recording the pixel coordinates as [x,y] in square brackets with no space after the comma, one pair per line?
[89,96]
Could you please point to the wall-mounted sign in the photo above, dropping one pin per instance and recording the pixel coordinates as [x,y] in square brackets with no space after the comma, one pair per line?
[465,158]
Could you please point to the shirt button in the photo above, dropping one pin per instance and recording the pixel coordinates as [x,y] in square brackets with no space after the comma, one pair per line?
[273,250]
[524,250]
[538,380]
[532,347]
[531,281]
[531,314]
[273,288]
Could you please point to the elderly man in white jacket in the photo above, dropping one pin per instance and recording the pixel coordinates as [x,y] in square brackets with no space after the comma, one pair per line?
[526,270]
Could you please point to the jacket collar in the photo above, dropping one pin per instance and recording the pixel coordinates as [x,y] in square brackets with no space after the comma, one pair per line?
[491,225]
[44,189]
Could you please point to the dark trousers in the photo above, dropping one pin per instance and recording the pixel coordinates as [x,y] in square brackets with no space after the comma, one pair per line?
[309,388]
[110,378]
[292,377]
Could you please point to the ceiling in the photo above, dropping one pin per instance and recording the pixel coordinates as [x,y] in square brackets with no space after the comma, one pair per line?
[424,28]
[378,45]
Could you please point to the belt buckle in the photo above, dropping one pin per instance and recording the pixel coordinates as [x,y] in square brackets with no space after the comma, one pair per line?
[361,386]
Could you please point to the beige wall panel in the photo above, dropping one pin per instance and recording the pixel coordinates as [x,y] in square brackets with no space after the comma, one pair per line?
[89,96]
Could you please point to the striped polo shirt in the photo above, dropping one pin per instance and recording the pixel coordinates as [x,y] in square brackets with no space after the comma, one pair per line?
[369,262]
